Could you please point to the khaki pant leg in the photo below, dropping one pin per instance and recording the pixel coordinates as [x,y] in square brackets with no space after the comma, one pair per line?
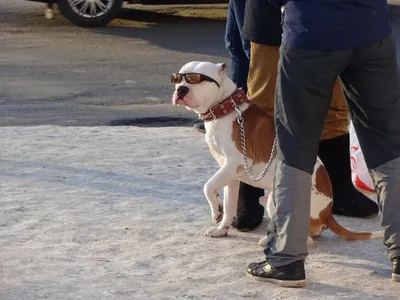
[262,76]
[337,120]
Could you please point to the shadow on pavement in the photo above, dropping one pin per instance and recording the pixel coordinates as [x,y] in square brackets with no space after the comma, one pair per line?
[154,122]
[178,33]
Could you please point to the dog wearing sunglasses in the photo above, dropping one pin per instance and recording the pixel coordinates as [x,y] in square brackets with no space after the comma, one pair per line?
[206,89]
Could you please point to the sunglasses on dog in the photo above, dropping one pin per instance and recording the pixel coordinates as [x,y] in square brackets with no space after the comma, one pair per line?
[192,78]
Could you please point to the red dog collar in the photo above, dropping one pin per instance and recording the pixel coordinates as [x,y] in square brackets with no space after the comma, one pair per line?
[224,107]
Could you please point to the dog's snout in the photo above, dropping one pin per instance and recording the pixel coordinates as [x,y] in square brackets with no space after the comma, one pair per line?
[182,91]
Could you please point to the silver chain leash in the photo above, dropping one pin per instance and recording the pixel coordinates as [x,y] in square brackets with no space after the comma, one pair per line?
[240,120]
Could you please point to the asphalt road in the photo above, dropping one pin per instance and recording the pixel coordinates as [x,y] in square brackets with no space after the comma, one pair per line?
[52,72]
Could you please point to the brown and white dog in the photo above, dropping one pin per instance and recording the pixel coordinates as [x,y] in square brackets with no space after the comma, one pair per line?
[206,89]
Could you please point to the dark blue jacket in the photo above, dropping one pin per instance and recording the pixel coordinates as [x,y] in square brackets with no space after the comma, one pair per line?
[334,24]
[262,23]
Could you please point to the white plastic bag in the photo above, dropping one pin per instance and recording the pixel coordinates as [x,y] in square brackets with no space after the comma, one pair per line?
[359,172]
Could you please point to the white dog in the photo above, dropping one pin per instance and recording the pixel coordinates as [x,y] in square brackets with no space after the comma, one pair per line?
[241,138]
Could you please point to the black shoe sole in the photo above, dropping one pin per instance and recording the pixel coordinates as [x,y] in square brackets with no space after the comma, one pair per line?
[396,277]
[282,283]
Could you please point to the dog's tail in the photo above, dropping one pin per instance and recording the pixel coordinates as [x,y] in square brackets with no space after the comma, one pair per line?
[346,234]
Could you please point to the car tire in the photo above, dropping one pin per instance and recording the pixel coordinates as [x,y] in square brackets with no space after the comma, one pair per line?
[76,12]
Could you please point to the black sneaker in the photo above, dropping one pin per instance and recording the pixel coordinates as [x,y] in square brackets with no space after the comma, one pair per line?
[200,127]
[396,269]
[292,275]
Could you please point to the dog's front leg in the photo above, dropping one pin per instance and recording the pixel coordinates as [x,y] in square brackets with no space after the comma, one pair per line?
[231,192]
[224,176]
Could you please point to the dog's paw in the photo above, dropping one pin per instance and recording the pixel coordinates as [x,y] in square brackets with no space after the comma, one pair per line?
[217,231]
[263,241]
[310,241]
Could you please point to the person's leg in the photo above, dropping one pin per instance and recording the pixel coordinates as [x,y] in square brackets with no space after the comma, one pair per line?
[303,95]
[239,8]
[234,43]
[372,88]
[249,211]
[263,72]
[338,118]
[334,151]
[261,89]
[261,83]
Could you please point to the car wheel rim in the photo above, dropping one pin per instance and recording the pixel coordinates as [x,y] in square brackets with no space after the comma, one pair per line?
[90,8]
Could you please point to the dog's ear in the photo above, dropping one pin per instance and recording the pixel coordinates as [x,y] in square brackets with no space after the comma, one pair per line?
[222,67]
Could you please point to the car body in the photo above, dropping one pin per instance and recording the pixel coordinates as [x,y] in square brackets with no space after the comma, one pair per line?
[92,13]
